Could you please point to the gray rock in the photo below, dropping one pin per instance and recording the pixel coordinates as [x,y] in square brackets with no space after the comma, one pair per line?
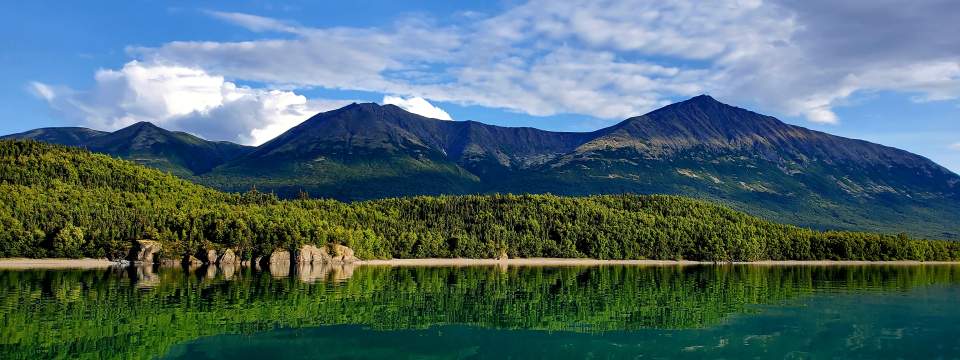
[191,261]
[209,256]
[309,254]
[228,257]
[341,254]
[144,252]
[279,256]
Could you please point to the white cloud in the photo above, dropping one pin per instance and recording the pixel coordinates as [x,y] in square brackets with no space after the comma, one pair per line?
[613,59]
[418,105]
[955,146]
[609,59]
[254,22]
[487,63]
[182,98]
[42,91]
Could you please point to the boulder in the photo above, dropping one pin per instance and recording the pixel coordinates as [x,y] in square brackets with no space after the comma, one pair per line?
[144,252]
[191,261]
[341,254]
[309,254]
[279,256]
[209,256]
[228,257]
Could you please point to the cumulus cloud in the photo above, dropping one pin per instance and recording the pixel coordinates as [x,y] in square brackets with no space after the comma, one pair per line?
[609,59]
[182,98]
[418,105]
[491,62]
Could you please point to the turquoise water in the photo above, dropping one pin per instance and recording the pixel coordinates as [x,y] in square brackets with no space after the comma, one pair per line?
[610,312]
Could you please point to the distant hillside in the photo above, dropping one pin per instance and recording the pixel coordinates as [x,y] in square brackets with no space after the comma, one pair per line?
[58,201]
[699,147]
[178,152]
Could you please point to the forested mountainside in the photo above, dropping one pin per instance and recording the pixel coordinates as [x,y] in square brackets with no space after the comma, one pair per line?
[68,202]
[144,143]
[699,148]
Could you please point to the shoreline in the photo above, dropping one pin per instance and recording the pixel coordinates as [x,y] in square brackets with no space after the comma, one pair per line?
[461,262]
[55,263]
[88,263]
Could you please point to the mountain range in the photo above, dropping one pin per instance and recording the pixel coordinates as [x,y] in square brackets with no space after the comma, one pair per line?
[177,152]
[699,147]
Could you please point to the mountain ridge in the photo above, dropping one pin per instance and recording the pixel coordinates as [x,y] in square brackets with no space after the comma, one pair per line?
[145,143]
[698,147]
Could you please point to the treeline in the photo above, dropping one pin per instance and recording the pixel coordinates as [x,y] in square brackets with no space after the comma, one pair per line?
[67,202]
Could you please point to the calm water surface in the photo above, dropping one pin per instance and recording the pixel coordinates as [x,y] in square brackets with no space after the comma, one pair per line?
[369,312]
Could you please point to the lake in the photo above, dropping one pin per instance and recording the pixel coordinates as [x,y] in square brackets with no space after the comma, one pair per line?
[374,312]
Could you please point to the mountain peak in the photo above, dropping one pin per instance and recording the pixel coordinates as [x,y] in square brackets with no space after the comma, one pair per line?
[141,125]
[701,101]
[361,106]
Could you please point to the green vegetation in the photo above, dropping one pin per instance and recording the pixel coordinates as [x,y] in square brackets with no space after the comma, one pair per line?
[61,201]
[109,314]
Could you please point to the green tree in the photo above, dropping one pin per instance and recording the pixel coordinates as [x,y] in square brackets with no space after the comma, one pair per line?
[68,241]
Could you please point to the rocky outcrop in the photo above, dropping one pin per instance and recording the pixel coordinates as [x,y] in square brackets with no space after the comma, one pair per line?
[309,254]
[144,252]
[341,254]
[278,263]
[209,256]
[279,256]
[228,257]
[191,261]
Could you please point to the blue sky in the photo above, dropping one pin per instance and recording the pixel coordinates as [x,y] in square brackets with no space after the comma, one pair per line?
[246,71]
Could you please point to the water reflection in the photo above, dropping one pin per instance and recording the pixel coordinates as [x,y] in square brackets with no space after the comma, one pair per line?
[143,312]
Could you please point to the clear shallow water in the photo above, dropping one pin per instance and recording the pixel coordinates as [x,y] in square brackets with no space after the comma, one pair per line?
[483,312]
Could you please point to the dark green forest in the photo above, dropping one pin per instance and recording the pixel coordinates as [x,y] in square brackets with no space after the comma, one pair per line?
[60,201]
